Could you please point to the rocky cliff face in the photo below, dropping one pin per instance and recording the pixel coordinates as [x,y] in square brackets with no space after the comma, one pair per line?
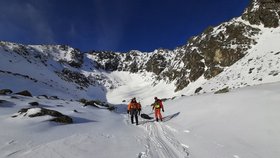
[208,54]
[264,12]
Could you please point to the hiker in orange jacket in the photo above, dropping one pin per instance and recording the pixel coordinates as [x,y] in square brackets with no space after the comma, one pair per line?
[157,105]
[133,109]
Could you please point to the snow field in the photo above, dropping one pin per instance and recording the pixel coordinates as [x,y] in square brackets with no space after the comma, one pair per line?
[242,123]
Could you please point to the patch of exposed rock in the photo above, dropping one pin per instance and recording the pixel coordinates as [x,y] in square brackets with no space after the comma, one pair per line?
[5,91]
[266,12]
[76,77]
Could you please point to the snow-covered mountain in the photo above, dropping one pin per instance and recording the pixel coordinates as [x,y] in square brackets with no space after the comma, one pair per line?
[241,56]
[238,53]
[241,52]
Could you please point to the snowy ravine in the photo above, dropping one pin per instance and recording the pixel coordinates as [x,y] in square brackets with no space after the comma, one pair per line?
[240,124]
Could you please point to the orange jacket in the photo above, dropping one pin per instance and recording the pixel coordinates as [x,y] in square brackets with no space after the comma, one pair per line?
[134,105]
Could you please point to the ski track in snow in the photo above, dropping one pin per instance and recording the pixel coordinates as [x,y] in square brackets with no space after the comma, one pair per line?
[161,143]
[11,149]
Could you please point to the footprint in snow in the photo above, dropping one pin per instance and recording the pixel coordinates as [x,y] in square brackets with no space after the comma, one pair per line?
[11,142]
[142,155]
[185,148]
[171,128]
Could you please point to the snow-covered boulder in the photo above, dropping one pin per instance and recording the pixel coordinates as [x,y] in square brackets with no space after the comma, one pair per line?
[36,112]
[5,91]
[25,93]
[34,103]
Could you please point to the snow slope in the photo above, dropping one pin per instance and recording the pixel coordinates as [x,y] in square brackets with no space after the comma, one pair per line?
[94,132]
[241,123]
[140,86]
[30,67]
[97,132]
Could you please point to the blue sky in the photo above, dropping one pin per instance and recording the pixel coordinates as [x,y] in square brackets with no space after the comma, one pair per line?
[115,25]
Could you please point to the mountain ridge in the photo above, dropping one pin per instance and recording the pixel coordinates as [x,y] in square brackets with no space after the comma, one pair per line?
[187,67]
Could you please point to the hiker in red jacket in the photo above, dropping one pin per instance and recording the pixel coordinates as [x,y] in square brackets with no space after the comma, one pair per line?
[157,105]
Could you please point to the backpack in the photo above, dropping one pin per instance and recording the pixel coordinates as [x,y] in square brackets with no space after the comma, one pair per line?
[133,105]
[157,105]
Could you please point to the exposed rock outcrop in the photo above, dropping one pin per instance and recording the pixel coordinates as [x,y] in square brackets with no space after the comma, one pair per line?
[76,77]
[5,91]
[224,90]
[34,103]
[266,12]
[24,93]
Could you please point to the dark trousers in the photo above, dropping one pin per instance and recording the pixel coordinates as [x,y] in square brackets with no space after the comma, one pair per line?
[134,113]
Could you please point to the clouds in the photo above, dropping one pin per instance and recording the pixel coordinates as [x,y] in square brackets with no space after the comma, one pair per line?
[24,21]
